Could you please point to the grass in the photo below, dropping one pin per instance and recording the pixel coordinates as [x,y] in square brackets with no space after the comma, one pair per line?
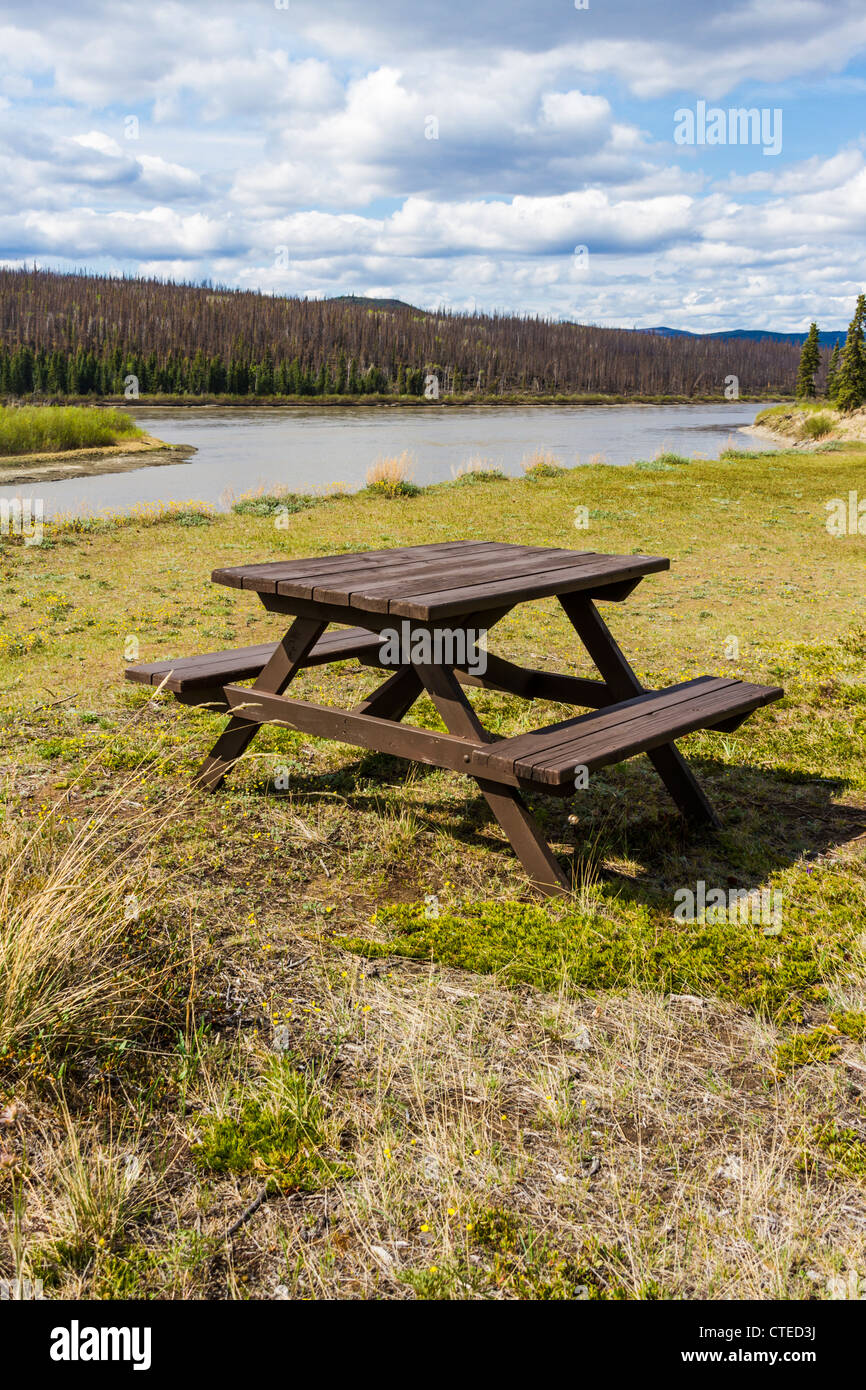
[330,981]
[33,429]
[272,504]
[79,970]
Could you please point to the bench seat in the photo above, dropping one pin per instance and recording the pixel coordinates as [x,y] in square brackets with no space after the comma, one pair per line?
[547,758]
[212,670]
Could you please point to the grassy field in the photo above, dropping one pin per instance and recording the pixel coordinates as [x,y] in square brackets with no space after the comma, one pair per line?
[245,1054]
[34,429]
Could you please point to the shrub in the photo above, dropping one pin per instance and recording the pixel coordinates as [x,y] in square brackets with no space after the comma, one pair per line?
[272,503]
[541,464]
[817,425]
[478,470]
[189,513]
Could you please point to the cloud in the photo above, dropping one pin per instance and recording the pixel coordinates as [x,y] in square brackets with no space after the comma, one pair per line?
[450,153]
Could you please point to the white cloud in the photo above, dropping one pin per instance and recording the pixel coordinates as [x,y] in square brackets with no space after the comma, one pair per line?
[307,129]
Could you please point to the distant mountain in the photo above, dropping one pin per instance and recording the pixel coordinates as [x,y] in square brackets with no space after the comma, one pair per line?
[827,337]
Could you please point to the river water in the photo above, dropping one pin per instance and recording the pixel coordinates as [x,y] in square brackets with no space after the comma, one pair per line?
[312,449]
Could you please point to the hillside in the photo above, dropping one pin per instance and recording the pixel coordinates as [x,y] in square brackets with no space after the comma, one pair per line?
[85,334]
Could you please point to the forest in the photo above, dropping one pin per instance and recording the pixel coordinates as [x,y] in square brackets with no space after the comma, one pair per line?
[72,335]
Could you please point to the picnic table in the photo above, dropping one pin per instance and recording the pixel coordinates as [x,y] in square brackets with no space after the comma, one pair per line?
[438,598]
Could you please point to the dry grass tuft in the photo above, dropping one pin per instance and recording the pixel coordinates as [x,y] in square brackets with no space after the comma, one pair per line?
[391,475]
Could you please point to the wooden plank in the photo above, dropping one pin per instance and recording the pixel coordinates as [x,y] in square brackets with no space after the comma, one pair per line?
[345,726]
[703,709]
[537,685]
[335,585]
[544,741]
[263,577]
[649,727]
[525,837]
[394,697]
[210,669]
[193,672]
[259,576]
[436,606]
[373,591]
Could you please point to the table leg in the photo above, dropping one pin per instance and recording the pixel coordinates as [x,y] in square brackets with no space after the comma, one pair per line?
[506,803]
[394,697]
[668,762]
[286,661]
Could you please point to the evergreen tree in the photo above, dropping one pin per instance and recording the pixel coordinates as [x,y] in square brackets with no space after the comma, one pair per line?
[293,378]
[851,376]
[810,361]
[832,370]
[264,375]
[216,376]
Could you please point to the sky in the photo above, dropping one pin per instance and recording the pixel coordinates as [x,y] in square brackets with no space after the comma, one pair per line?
[525,156]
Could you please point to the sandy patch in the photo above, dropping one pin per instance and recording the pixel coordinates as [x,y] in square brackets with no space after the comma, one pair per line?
[146,452]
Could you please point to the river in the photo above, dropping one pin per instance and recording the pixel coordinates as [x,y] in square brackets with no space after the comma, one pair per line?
[312,449]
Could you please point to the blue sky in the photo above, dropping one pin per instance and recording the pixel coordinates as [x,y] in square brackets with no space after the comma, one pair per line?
[447,154]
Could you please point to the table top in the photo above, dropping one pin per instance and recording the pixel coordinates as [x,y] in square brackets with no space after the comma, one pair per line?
[430,582]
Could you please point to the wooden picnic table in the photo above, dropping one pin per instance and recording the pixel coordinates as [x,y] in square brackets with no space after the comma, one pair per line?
[430,594]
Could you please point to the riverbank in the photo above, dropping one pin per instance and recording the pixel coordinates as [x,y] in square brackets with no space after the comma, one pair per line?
[804,423]
[59,465]
[251,402]
[512,1099]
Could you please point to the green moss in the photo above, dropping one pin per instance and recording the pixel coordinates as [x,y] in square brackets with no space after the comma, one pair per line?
[776,975]
[845,1149]
[277,1132]
[511,1260]
[851,1022]
[802,1049]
